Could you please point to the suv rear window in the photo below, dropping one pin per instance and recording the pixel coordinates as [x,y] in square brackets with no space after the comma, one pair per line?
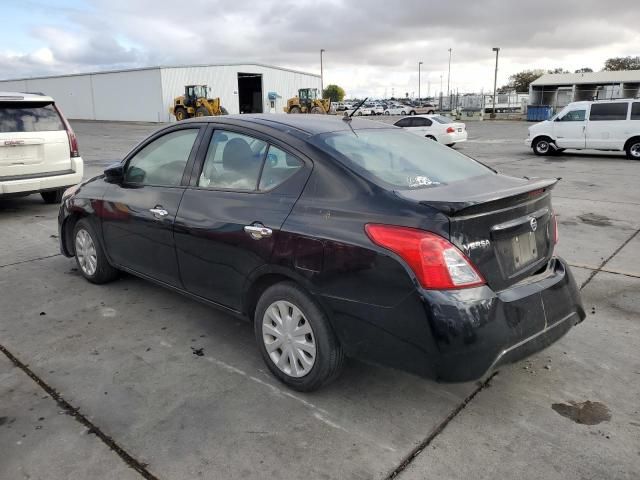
[397,158]
[29,117]
[635,111]
[608,111]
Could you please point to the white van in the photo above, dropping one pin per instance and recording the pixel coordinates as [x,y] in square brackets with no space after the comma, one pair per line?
[38,149]
[598,125]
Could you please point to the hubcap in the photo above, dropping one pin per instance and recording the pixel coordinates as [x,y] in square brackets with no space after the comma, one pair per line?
[543,147]
[635,150]
[289,339]
[86,252]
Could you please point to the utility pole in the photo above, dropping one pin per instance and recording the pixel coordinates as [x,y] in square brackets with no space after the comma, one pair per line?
[495,83]
[419,63]
[449,76]
[321,74]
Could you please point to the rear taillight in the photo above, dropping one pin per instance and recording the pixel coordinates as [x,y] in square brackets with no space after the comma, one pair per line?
[437,263]
[73,140]
[451,130]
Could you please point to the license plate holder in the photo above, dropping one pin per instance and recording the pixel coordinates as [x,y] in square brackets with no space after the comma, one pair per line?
[525,249]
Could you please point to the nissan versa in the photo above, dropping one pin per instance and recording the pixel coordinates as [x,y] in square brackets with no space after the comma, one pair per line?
[336,238]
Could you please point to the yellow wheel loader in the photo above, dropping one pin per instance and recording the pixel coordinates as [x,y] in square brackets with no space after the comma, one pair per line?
[308,101]
[194,103]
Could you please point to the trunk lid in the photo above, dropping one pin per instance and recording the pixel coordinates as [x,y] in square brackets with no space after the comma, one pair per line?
[503,224]
[33,139]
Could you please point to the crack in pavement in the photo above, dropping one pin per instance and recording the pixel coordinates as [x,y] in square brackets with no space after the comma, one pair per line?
[438,429]
[135,464]
[31,260]
[608,259]
[605,270]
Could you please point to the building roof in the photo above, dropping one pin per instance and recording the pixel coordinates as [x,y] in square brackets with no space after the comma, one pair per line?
[626,76]
[161,67]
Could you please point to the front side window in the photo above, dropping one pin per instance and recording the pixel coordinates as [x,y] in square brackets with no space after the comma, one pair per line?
[635,111]
[421,122]
[573,116]
[29,117]
[608,111]
[278,167]
[162,161]
[233,162]
[399,159]
[405,122]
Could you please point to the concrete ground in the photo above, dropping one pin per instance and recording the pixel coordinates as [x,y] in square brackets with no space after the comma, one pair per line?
[102,382]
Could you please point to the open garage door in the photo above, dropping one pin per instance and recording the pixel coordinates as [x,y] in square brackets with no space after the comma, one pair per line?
[250,92]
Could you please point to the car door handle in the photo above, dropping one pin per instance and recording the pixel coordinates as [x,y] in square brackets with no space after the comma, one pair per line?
[158,211]
[258,232]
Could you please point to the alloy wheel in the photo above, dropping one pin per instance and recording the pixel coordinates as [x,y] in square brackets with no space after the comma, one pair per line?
[542,146]
[86,252]
[288,339]
[635,150]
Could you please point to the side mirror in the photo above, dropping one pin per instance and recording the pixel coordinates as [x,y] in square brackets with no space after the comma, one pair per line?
[114,173]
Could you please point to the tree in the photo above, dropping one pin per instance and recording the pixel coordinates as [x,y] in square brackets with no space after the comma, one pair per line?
[520,81]
[584,70]
[622,63]
[334,92]
[558,70]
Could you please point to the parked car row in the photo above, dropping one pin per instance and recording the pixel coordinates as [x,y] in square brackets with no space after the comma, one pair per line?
[387,108]
[435,127]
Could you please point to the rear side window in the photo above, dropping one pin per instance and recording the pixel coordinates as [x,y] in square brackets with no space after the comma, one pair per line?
[399,159]
[278,167]
[29,117]
[635,111]
[608,111]
[405,122]
[421,122]
[443,120]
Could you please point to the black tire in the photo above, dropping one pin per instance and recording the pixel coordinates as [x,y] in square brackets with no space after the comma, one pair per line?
[387,112]
[104,272]
[633,149]
[318,111]
[180,113]
[52,196]
[329,357]
[202,112]
[412,112]
[542,146]
[295,110]
[430,112]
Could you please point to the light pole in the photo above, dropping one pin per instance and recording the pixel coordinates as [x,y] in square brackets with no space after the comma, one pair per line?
[321,74]
[449,74]
[419,63]
[495,83]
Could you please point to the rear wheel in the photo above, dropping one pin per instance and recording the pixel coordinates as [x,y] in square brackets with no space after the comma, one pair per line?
[90,256]
[294,110]
[52,196]
[633,149]
[317,111]
[387,112]
[295,338]
[202,112]
[412,112]
[180,113]
[542,146]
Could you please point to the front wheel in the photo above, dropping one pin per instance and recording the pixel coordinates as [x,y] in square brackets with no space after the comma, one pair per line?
[202,112]
[295,338]
[542,146]
[318,111]
[90,256]
[633,149]
[412,112]
[180,113]
[387,112]
[295,110]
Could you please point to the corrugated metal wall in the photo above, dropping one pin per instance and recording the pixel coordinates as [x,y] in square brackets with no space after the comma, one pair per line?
[223,81]
[147,94]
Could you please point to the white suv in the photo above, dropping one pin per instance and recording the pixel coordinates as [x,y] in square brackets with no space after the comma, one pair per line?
[38,149]
[599,125]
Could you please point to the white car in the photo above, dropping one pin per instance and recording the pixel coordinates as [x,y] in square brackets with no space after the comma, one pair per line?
[597,125]
[435,127]
[38,149]
[398,110]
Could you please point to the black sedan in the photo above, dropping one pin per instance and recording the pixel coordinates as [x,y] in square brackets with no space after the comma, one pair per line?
[335,237]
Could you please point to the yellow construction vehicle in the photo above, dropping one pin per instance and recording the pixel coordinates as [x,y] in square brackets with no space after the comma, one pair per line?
[308,101]
[194,103]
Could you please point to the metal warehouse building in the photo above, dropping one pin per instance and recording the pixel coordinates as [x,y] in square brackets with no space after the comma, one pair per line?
[559,89]
[146,94]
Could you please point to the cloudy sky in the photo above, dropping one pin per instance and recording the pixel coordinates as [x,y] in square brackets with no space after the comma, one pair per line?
[372,46]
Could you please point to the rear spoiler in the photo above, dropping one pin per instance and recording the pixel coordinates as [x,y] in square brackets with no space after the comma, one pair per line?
[484,195]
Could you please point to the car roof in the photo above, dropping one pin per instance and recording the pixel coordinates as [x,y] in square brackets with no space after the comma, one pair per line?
[24,97]
[304,123]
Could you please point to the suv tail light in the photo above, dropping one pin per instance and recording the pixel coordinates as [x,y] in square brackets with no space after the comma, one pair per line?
[436,262]
[73,140]
[451,130]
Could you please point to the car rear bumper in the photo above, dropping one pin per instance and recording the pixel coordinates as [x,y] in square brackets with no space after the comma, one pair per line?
[462,335]
[456,137]
[48,181]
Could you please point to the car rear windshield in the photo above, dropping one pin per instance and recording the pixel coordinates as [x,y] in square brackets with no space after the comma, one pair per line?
[441,119]
[29,117]
[397,158]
